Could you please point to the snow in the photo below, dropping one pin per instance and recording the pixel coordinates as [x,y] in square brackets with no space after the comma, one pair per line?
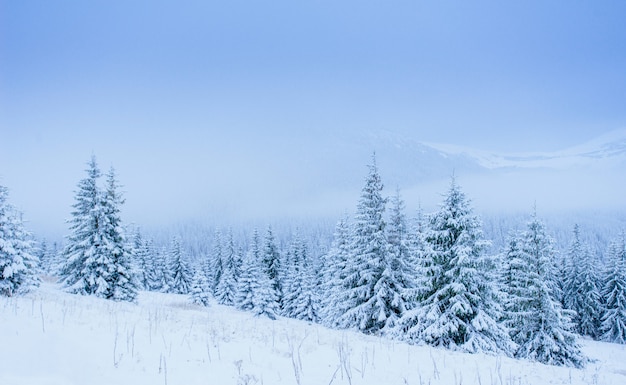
[609,148]
[50,337]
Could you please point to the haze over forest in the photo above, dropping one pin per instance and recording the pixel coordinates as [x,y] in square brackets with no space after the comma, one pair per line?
[263,112]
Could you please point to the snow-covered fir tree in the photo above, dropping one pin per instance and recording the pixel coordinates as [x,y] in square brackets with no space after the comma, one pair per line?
[581,291]
[398,281]
[301,300]
[162,278]
[143,256]
[542,328]
[334,283]
[613,327]
[369,305]
[290,274]
[213,269]
[123,283]
[153,275]
[98,261]
[254,289]
[18,263]
[49,258]
[272,263]
[459,306]
[45,258]
[571,269]
[181,274]
[200,288]
[226,287]
[266,300]
[514,281]
[417,245]
[83,270]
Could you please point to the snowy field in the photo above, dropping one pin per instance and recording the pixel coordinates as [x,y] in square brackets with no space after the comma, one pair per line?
[49,337]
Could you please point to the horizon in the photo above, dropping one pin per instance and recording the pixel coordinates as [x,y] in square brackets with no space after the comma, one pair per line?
[267,110]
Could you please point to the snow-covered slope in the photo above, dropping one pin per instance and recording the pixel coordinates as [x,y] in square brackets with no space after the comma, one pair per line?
[53,338]
[606,150]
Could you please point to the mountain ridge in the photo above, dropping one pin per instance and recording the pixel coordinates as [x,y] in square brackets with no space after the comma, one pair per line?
[608,147]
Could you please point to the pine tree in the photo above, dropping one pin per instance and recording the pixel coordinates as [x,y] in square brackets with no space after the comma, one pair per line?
[200,288]
[398,281]
[301,300]
[144,261]
[123,283]
[54,260]
[254,290]
[334,283]
[18,264]
[581,289]
[459,305]
[214,268]
[368,305]
[247,284]
[227,285]
[272,264]
[162,278]
[180,272]
[543,328]
[514,281]
[82,272]
[417,260]
[613,326]
[45,258]
[48,256]
[154,272]
[291,273]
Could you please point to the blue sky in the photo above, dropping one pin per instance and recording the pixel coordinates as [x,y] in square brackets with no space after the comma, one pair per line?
[165,83]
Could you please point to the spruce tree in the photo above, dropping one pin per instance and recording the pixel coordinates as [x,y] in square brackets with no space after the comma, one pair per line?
[181,275]
[417,245]
[18,264]
[334,283]
[44,256]
[144,261]
[254,290]
[613,327]
[48,256]
[514,281]
[83,268]
[272,263]
[123,283]
[214,268]
[248,284]
[226,287]
[200,288]
[543,329]
[460,305]
[398,281]
[571,268]
[291,273]
[162,278]
[368,304]
[301,299]
[582,288]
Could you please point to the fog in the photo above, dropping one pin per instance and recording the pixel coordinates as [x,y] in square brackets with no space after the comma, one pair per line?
[272,110]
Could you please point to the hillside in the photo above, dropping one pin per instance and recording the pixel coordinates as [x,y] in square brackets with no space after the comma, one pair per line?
[53,338]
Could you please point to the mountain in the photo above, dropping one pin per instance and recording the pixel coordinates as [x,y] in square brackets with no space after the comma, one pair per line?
[606,150]
[582,177]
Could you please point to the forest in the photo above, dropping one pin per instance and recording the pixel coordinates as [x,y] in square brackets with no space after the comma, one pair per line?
[435,279]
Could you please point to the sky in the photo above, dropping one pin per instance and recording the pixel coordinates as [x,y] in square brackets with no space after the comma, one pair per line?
[192,97]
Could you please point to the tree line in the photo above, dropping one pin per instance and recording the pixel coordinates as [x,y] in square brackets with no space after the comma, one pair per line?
[428,281]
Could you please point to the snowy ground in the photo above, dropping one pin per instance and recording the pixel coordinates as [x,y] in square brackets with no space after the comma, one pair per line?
[53,338]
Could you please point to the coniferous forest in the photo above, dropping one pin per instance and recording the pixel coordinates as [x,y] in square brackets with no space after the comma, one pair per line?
[434,279]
